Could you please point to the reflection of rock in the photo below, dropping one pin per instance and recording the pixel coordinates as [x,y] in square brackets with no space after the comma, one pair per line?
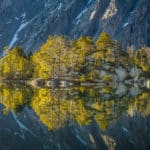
[103,73]
[148,84]
[121,90]
[114,78]
[63,109]
[52,83]
[132,111]
[121,73]
[107,67]
[109,141]
[37,82]
[131,133]
[134,91]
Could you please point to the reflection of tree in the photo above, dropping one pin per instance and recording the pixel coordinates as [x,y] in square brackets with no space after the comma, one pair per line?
[54,112]
[108,111]
[14,97]
[57,107]
[142,104]
[47,108]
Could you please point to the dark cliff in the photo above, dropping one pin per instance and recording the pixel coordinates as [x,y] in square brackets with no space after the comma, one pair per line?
[28,23]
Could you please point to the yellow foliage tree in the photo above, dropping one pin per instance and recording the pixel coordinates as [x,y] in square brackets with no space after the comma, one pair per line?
[15,65]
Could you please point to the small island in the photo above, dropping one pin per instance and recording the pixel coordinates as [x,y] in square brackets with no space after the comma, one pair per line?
[63,62]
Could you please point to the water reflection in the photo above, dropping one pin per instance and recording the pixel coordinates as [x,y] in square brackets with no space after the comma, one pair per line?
[96,116]
[15,96]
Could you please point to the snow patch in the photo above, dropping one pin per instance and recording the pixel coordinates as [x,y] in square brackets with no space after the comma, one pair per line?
[81,14]
[18,122]
[22,126]
[58,146]
[79,138]
[9,22]
[16,18]
[76,130]
[77,22]
[60,5]
[124,129]
[90,1]
[23,15]
[52,142]
[45,3]
[77,19]
[3,54]
[91,138]
[15,38]
[110,11]
[92,15]
[16,133]
[125,24]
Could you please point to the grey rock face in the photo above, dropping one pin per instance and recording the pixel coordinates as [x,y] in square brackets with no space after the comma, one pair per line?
[29,22]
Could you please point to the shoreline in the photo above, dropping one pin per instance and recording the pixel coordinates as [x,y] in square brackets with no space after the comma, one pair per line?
[69,83]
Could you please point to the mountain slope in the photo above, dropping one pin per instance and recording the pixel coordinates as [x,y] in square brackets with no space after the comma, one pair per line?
[28,23]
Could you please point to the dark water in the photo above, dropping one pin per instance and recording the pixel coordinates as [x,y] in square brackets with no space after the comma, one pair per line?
[77,118]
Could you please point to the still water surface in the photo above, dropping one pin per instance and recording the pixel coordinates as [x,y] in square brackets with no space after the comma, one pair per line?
[76,118]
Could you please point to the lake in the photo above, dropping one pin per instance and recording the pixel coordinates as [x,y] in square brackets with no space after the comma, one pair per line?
[74,118]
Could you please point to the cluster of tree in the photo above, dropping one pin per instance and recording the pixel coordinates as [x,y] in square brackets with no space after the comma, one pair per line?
[56,108]
[15,65]
[59,58]
[142,59]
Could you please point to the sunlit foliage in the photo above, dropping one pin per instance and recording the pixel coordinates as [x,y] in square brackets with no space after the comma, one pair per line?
[81,59]
[52,60]
[142,58]
[15,65]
